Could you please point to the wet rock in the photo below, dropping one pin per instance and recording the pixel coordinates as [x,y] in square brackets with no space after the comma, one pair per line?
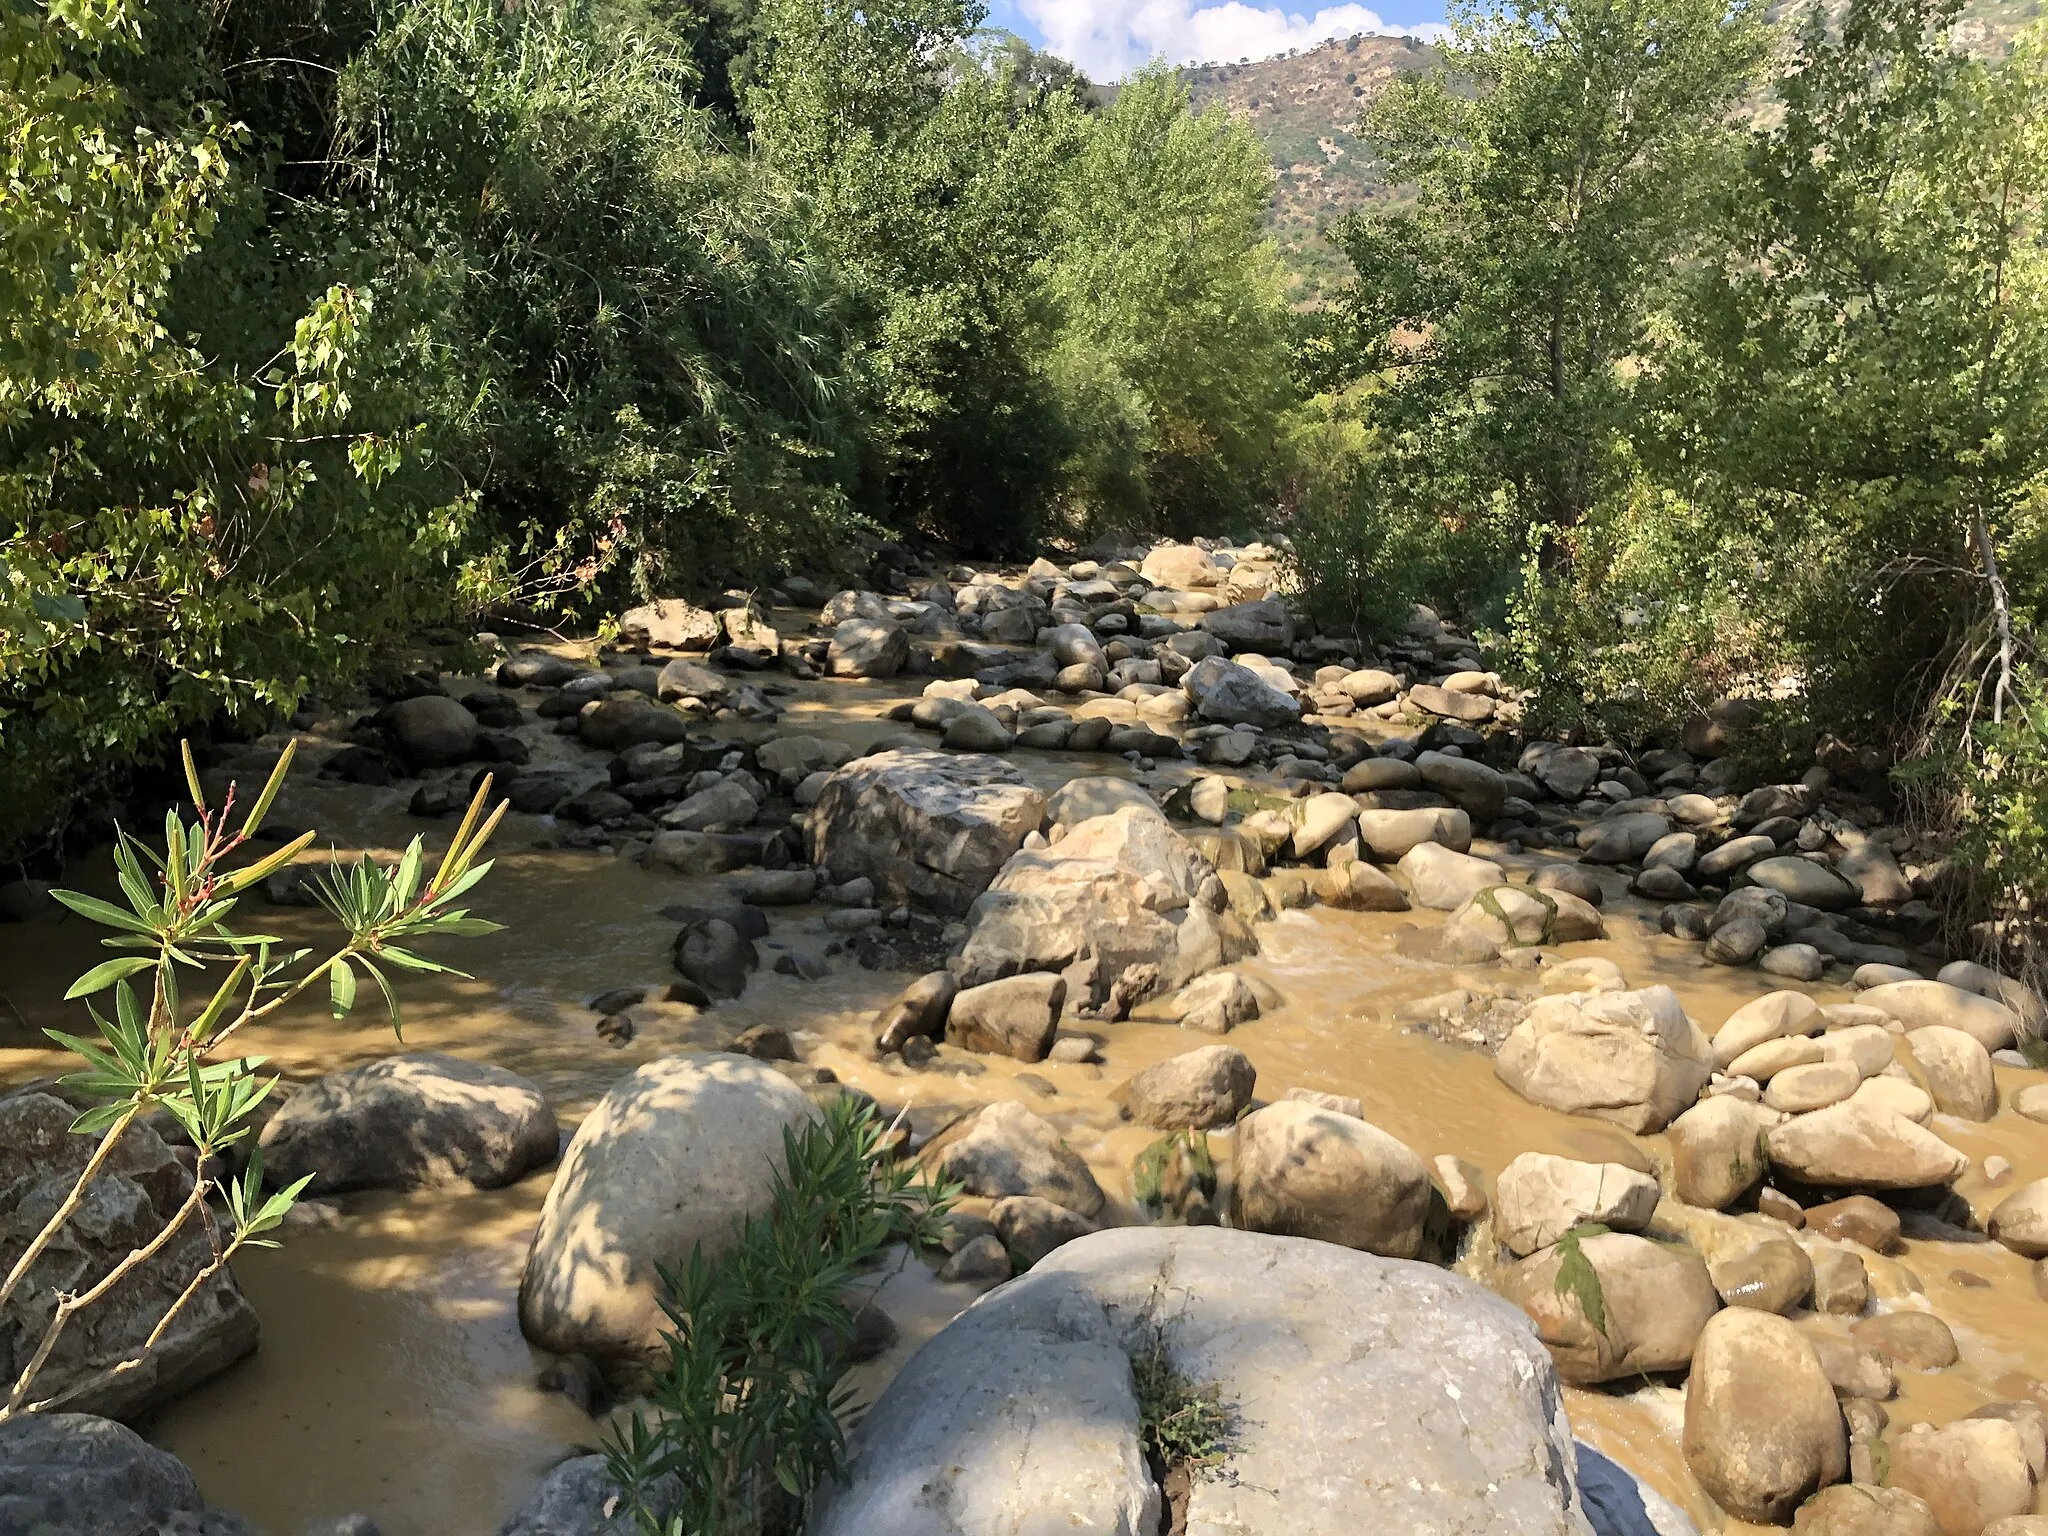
[1860,1509]
[1957,1071]
[536,669]
[1214,1004]
[867,648]
[1389,835]
[1770,1275]
[1439,878]
[975,728]
[1539,1198]
[918,1010]
[927,827]
[1471,785]
[1019,1411]
[432,731]
[1917,1339]
[1774,1016]
[673,1156]
[717,957]
[1717,1151]
[1841,1283]
[1632,1058]
[1763,1432]
[1971,1472]
[1857,1219]
[1004,1149]
[1302,1171]
[1016,1016]
[778,887]
[2020,1220]
[140,1187]
[1737,942]
[1356,886]
[420,1118]
[1917,1004]
[74,1474]
[1030,1228]
[1116,894]
[1196,1090]
[1653,1301]
[1858,1144]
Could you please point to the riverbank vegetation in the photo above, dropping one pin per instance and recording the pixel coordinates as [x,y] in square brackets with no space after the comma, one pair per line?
[1697,354]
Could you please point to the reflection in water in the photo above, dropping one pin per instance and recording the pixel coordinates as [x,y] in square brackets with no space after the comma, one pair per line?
[393,1379]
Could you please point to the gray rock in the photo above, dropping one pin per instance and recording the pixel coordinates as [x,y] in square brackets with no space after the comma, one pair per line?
[690,680]
[1196,1090]
[1567,772]
[142,1184]
[1230,694]
[72,1474]
[1439,878]
[975,728]
[1004,1149]
[717,957]
[1302,1171]
[1734,856]
[1030,1228]
[919,1009]
[536,669]
[1019,1417]
[726,806]
[1260,625]
[433,731]
[612,725]
[673,1156]
[421,1118]
[1803,881]
[1469,707]
[1117,893]
[571,1501]
[926,827]
[1478,789]
[868,648]
[1016,1016]
[1738,942]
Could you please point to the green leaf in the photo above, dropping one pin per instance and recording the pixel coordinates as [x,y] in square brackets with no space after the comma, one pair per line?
[104,913]
[341,988]
[1577,1278]
[106,973]
[59,608]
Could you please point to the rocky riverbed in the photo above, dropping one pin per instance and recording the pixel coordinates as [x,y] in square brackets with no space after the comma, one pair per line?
[1081,867]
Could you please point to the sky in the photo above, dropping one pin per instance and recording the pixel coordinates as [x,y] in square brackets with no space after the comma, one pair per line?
[1109,38]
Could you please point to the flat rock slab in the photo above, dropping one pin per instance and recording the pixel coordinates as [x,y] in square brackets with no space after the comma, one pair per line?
[1366,1394]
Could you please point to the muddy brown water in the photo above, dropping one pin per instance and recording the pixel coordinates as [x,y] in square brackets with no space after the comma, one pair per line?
[392,1377]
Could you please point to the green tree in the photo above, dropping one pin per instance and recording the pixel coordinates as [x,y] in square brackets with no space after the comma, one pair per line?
[1554,157]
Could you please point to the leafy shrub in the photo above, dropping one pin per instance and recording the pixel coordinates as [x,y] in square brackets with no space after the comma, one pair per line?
[155,1054]
[748,1416]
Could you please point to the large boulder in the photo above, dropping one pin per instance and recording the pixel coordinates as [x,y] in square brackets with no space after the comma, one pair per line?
[1652,1301]
[1229,694]
[1304,1171]
[1466,782]
[929,827]
[1389,835]
[1351,1379]
[72,1474]
[1510,916]
[1717,1151]
[433,731]
[1439,878]
[1763,1432]
[1859,1144]
[138,1189]
[1121,898]
[613,725]
[1632,1058]
[422,1118]
[674,1156]
[1180,567]
[1957,1071]
[1004,1149]
[2020,1220]
[1803,881]
[1016,1016]
[1971,1472]
[1567,772]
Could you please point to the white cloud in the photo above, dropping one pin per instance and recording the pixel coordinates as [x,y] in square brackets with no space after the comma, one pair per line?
[1109,38]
